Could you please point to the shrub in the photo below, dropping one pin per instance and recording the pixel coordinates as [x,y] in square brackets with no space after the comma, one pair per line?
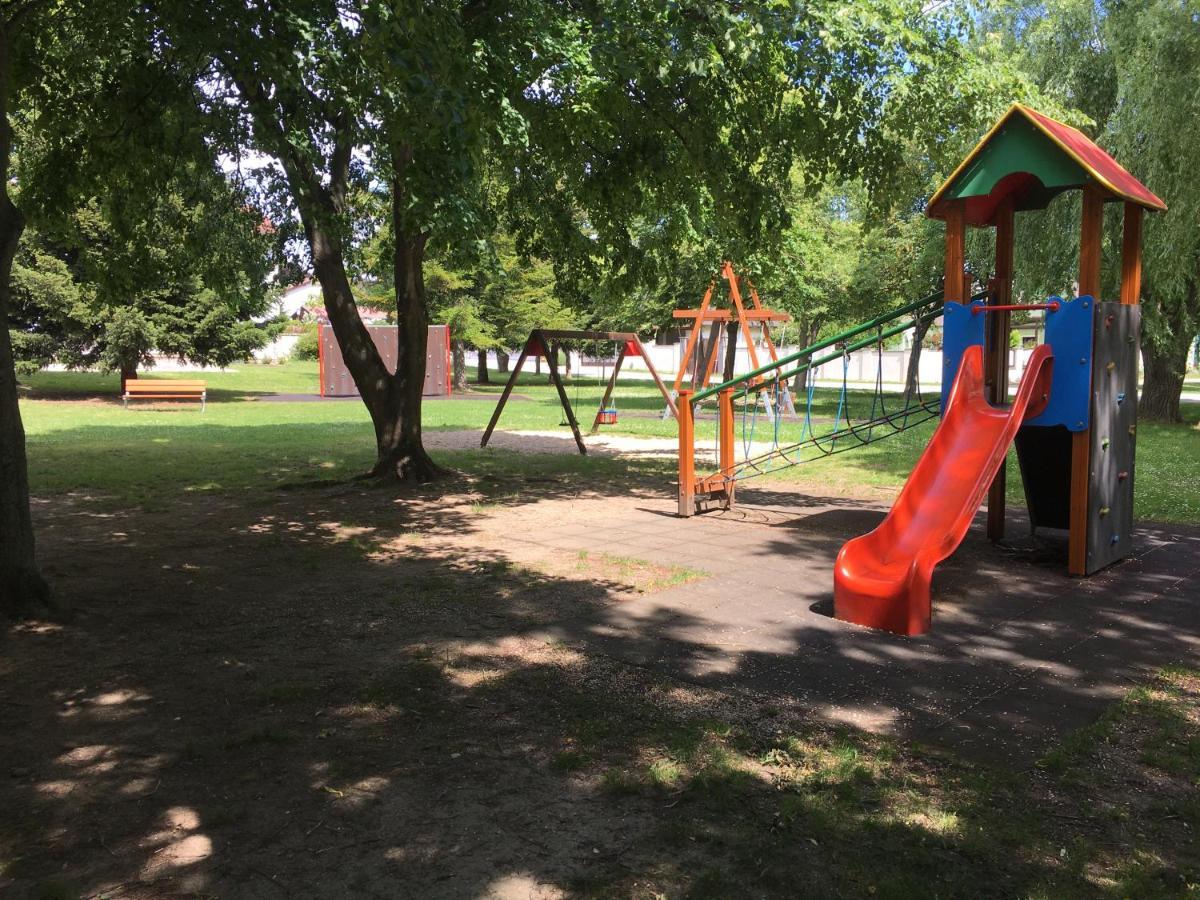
[307,346]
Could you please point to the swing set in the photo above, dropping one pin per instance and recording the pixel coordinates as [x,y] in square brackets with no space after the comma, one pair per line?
[544,343]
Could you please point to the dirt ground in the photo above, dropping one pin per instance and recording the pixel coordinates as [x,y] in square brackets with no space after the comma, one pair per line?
[335,691]
[319,691]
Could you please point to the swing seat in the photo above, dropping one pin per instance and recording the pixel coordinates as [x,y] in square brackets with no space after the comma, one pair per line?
[607,416]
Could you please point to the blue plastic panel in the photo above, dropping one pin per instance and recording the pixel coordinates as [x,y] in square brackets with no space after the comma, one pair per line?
[1069,334]
[961,328]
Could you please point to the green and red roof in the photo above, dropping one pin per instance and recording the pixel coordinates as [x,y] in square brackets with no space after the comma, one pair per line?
[1031,158]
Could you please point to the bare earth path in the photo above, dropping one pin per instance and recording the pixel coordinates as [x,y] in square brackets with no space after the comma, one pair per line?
[334,692]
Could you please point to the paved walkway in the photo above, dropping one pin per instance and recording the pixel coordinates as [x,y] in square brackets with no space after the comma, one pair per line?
[1019,653]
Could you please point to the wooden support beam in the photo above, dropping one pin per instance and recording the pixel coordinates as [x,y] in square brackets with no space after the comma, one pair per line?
[1090,245]
[654,374]
[566,404]
[999,324]
[954,287]
[723,315]
[1091,238]
[735,294]
[725,420]
[1131,256]
[504,395]
[570,335]
[687,455]
[690,348]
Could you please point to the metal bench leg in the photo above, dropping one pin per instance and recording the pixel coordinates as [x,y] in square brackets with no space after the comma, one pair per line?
[204,401]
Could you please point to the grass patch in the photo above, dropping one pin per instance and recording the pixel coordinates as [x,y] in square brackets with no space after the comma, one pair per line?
[80,439]
[642,575]
[1109,814]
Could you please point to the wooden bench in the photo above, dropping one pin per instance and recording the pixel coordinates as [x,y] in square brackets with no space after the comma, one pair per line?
[164,389]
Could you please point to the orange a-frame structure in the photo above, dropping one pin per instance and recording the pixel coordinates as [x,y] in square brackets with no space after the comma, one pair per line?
[736,317]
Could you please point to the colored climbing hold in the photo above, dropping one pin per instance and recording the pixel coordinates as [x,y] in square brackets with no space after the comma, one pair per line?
[1104,444]
[1104,510]
[1121,476]
[1115,538]
[1110,367]
[1120,399]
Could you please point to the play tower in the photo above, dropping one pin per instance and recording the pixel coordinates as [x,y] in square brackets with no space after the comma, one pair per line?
[1074,418]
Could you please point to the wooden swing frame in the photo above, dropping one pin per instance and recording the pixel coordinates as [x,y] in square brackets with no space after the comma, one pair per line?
[538,344]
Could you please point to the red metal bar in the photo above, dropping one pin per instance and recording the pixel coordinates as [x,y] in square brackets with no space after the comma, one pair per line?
[321,357]
[1012,307]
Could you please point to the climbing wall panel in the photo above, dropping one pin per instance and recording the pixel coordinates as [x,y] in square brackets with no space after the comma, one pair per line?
[1113,434]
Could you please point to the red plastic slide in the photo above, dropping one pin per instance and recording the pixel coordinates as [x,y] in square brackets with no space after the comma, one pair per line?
[881,579]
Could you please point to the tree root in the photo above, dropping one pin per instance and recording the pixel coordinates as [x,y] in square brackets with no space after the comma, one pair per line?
[24,594]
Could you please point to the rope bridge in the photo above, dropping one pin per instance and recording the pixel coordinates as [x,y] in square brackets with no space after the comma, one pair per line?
[762,428]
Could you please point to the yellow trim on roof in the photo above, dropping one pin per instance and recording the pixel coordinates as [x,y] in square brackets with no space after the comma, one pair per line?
[1087,167]
[1033,120]
[937,195]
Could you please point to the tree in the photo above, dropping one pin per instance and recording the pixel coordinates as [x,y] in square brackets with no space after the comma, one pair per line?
[1130,70]
[22,588]
[105,113]
[127,276]
[454,300]
[597,114]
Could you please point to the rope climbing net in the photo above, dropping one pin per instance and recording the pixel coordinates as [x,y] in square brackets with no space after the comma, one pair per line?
[762,427]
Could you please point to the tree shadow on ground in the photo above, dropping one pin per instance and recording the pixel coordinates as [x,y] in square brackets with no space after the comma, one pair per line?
[335,692]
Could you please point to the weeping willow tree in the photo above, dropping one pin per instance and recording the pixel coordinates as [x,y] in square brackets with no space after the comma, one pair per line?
[1131,70]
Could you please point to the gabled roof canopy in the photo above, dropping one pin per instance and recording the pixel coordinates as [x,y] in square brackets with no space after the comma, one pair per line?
[1031,158]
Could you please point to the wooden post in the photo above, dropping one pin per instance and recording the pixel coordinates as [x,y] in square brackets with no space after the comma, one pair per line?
[512,380]
[999,326]
[1090,238]
[637,342]
[690,348]
[725,443]
[1131,256]
[954,287]
[687,455]
[735,294]
[552,365]
[725,418]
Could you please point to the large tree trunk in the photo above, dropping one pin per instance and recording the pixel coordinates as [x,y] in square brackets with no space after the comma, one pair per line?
[502,361]
[807,336]
[481,367]
[403,454]
[1163,366]
[1164,360]
[128,373]
[23,591]
[912,379]
[459,378]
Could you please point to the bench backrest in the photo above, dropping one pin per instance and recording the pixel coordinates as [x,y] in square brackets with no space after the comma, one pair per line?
[163,386]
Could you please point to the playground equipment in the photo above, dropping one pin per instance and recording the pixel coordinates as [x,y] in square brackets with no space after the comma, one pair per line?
[540,343]
[334,377]
[700,355]
[1074,419]
[750,441]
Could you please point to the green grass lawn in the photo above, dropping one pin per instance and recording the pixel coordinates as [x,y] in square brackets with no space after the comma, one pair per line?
[81,439]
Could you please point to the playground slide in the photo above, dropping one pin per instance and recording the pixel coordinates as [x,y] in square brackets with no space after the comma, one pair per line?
[881,579]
